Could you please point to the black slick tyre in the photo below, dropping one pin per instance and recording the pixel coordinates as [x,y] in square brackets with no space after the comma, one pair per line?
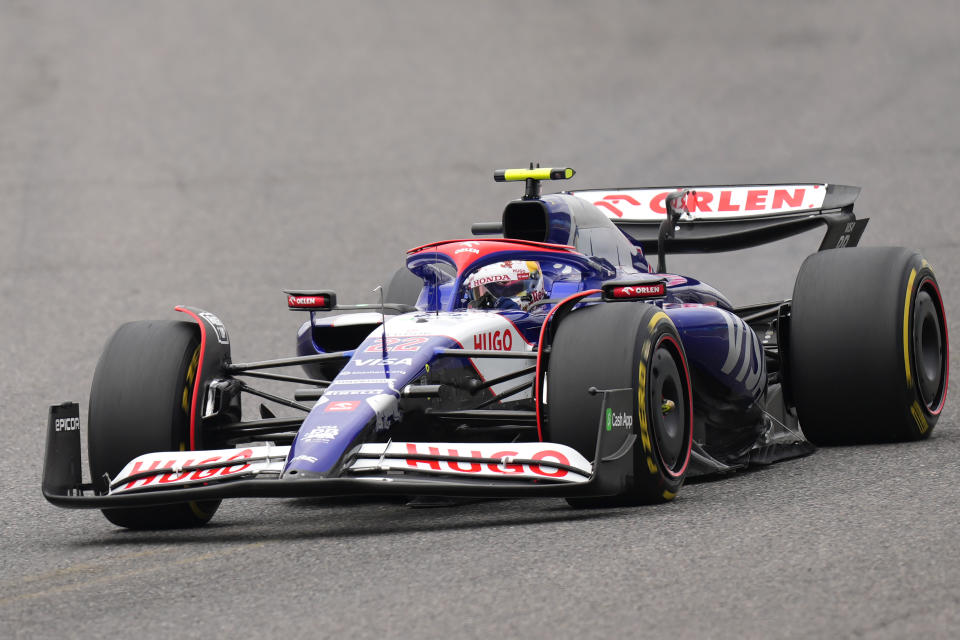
[623,345]
[868,355]
[139,403]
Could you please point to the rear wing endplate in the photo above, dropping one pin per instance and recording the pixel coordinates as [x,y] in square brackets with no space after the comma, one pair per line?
[732,217]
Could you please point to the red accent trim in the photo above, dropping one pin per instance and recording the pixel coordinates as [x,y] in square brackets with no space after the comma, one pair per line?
[561,248]
[543,333]
[196,380]
[464,253]
[946,345]
[341,405]
[686,372]
[309,302]
[639,291]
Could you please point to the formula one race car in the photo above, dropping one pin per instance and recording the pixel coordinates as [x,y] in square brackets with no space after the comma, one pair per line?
[553,360]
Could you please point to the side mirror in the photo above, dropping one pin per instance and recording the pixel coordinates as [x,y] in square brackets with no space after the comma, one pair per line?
[311,300]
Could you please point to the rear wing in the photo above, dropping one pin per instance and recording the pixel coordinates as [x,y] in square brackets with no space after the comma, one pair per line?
[731,217]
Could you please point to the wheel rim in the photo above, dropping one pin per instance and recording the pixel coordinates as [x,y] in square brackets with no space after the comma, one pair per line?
[668,410]
[929,346]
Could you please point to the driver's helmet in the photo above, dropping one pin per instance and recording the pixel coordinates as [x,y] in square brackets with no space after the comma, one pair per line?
[514,284]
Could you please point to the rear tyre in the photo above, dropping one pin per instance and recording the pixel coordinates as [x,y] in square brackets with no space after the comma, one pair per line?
[623,345]
[868,353]
[140,402]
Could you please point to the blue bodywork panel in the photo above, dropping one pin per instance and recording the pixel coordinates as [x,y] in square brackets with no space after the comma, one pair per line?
[580,251]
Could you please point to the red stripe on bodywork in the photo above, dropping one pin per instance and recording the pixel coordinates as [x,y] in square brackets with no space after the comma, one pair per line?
[196,380]
[543,334]
[507,243]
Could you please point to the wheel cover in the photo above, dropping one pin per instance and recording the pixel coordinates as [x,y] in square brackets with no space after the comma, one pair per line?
[930,346]
[669,405]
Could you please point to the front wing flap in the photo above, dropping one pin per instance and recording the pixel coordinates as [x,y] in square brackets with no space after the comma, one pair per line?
[515,469]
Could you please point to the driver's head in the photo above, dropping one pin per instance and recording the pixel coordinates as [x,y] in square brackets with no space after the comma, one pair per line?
[506,285]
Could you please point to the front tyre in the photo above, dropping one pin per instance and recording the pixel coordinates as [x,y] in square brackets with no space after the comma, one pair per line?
[140,402]
[623,345]
[868,353]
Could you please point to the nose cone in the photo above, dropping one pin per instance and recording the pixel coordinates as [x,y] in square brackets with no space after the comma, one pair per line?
[363,398]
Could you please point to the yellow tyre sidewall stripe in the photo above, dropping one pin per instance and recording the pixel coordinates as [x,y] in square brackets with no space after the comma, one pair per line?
[645,439]
[906,327]
[185,404]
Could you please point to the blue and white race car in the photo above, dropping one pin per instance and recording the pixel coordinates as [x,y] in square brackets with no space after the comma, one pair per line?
[551,360]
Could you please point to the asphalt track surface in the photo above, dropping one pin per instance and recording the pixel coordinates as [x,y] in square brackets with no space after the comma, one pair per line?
[212,153]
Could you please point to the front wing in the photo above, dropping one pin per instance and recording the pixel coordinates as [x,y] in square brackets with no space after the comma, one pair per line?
[516,469]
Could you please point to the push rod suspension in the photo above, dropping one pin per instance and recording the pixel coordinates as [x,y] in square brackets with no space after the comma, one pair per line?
[282,378]
[288,362]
